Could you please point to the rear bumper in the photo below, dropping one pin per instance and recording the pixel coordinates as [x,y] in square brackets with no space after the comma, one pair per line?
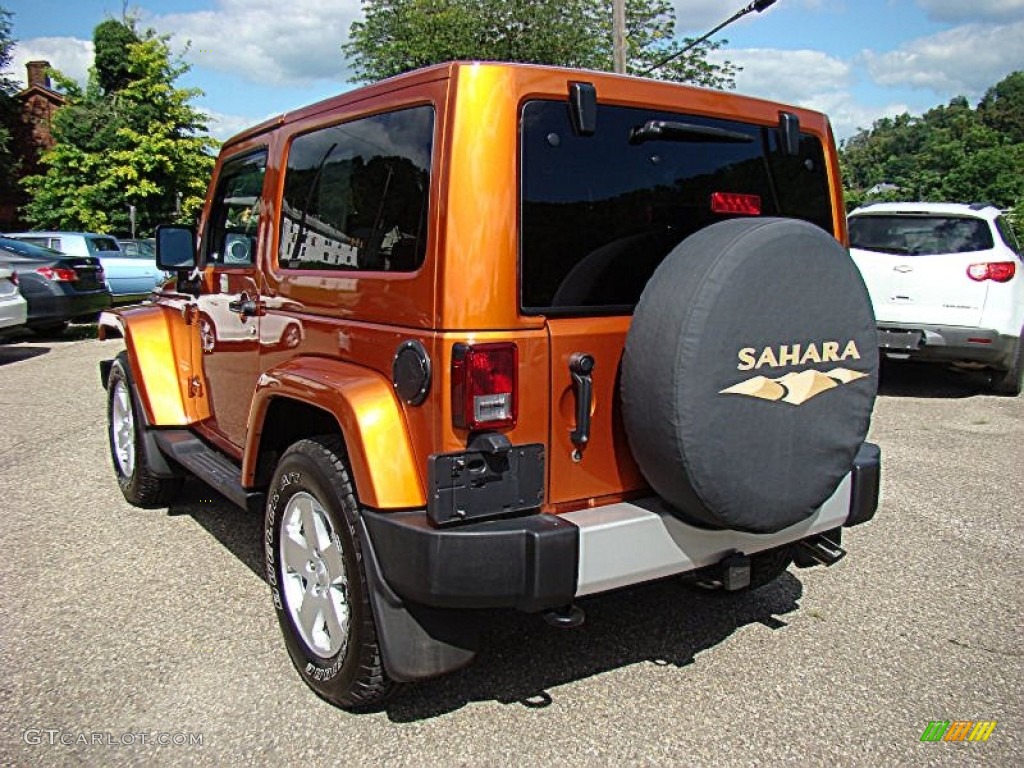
[58,304]
[13,311]
[546,561]
[947,343]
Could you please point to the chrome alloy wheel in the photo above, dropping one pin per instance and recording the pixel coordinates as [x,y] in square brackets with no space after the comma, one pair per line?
[122,428]
[314,588]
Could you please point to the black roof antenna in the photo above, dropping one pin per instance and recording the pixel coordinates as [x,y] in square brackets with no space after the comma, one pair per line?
[757,5]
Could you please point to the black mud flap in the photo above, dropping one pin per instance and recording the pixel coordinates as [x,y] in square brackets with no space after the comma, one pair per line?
[417,642]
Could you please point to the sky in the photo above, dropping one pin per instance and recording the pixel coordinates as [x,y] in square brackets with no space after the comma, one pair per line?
[856,60]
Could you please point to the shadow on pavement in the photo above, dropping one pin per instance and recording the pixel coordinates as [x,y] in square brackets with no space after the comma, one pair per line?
[909,379]
[241,533]
[18,354]
[522,659]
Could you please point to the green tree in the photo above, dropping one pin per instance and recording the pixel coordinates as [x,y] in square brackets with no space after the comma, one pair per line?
[141,144]
[111,39]
[951,153]
[8,103]
[1002,107]
[396,36]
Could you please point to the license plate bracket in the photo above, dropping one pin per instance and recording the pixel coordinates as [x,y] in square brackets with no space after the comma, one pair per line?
[898,339]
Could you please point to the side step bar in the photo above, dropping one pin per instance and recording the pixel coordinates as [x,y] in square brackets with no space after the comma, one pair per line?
[209,465]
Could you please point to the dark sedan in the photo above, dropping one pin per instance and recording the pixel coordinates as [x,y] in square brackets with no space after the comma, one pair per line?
[58,288]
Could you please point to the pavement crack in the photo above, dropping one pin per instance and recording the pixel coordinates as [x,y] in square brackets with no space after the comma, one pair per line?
[996,651]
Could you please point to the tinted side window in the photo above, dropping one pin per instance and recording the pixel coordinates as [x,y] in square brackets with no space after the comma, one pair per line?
[1006,234]
[233,229]
[356,194]
[600,212]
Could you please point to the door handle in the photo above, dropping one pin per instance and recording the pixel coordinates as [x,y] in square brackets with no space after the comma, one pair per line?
[581,366]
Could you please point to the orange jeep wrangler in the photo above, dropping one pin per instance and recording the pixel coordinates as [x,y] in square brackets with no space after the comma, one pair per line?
[494,335]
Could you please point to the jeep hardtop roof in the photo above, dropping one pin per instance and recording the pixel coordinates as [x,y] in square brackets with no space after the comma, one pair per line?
[739,104]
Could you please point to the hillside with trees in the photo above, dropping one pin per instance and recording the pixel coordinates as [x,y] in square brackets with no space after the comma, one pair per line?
[957,152]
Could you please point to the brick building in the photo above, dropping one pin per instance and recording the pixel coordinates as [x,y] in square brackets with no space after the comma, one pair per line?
[31,137]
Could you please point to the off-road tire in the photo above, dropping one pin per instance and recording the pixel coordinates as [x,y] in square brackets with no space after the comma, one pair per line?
[354,677]
[138,484]
[1011,382]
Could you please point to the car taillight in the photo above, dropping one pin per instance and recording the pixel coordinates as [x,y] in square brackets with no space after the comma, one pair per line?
[736,203]
[14,277]
[999,271]
[58,274]
[485,381]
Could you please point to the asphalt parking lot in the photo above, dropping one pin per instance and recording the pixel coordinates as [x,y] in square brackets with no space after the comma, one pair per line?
[121,628]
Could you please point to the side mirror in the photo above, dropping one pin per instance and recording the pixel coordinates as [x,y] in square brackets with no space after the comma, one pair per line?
[175,247]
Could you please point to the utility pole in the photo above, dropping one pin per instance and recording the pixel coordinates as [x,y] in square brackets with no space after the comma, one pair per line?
[619,36]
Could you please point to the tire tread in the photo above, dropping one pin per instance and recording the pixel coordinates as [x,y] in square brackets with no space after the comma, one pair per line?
[1011,382]
[143,489]
[371,686]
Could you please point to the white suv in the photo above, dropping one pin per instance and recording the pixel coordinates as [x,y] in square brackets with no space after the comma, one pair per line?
[946,283]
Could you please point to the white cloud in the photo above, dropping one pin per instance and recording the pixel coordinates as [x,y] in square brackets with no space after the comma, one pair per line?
[71,56]
[789,76]
[266,41]
[848,116]
[965,60]
[976,10]
[223,127]
[810,79]
[695,17]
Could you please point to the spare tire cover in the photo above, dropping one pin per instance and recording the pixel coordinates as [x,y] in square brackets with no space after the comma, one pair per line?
[749,373]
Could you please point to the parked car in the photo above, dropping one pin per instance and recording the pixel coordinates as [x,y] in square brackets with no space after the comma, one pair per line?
[279,328]
[13,307]
[946,283]
[562,332]
[129,278]
[58,288]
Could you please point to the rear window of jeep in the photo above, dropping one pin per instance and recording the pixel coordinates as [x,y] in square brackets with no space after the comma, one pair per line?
[356,194]
[600,212]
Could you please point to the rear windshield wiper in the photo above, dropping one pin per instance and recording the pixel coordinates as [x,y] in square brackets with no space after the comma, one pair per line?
[664,130]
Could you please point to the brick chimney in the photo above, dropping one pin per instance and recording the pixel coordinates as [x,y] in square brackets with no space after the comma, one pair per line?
[37,74]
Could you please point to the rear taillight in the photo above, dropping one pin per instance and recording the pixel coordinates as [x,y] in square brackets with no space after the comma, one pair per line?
[999,271]
[736,203]
[485,382]
[58,274]
[14,277]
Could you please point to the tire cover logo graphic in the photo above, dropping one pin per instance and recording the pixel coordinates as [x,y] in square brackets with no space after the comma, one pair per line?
[794,388]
